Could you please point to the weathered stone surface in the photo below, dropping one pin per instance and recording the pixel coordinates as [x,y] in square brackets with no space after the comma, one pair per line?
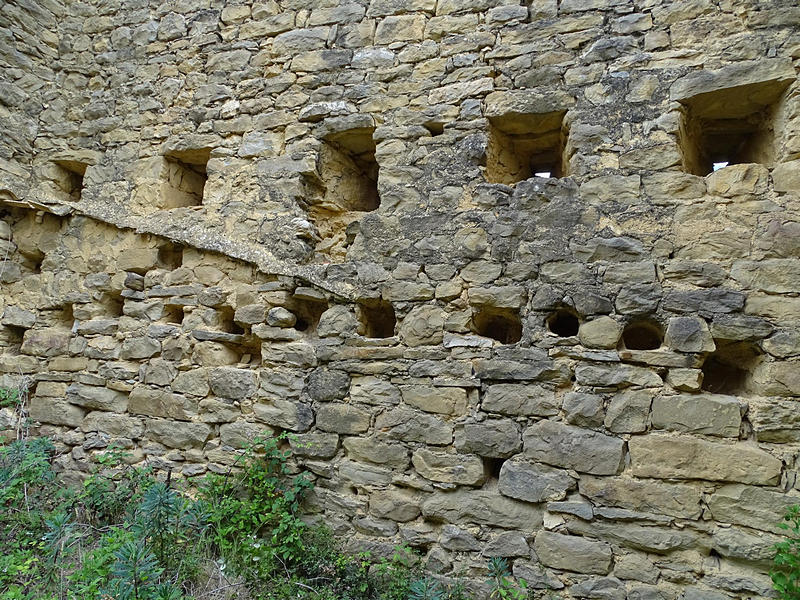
[157,403]
[236,384]
[314,445]
[570,447]
[602,332]
[507,545]
[685,457]
[584,410]
[442,400]
[45,342]
[629,411]
[377,451]
[423,326]
[688,334]
[616,375]
[461,469]
[55,412]
[97,398]
[287,414]
[116,425]
[242,434]
[343,418]
[532,482]
[178,434]
[497,438]
[677,500]
[326,385]
[640,537]
[413,426]
[482,507]
[523,400]
[396,504]
[750,506]
[572,553]
[710,414]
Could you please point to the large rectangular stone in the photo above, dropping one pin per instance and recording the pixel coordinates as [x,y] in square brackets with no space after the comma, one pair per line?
[97,398]
[442,400]
[155,402]
[572,447]
[572,553]
[685,457]
[710,414]
[483,508]
[755,507]
[673,499]
[522,400]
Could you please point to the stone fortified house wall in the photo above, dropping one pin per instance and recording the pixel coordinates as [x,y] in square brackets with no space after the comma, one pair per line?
[224,219]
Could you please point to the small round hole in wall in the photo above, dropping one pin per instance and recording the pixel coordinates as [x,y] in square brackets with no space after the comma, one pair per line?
[642,335]
[563,323]
[498,324]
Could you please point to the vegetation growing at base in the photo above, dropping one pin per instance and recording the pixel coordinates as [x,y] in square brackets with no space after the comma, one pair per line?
[129,534]
[786,573]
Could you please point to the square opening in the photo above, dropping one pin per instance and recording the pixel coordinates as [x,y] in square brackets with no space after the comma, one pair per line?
[501,324]
[376,319]
[183,178]
[69,177]
[521,146]
[730,126]
[349,171]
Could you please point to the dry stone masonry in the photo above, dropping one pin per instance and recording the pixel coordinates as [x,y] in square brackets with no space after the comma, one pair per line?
[480,257]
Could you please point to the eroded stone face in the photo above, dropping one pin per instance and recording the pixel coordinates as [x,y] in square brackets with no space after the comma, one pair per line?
[326,220]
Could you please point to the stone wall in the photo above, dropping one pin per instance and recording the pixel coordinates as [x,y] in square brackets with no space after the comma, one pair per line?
[225,219]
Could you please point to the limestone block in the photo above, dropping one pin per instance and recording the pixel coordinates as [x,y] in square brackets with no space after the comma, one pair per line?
[342,418]
[740,73]
[193,382]
[709,414]
[718,300]
[401,28]
[584,410]
[413,426]
[158,372]
[376,451]
[532,482]
[214,410]
[772,275]
[361,474]
[482,272]
[507,105]
[286,414]
[637,567]
[602,332]
[775,420]
[314,445]
[616,376]
[675,499]
[373,390]
[754,507]
[640,537]
[497,438]
[137,348]
[155,402]
[518,399]
[138,260]
[113,424]
[628,411]
[738,180]
[482,507]
[697,273]
[397,504]
[509,544]
[45,342]
[572,553]
[571,447]
[777,378]
[461,469]
[738,543]
[250,314]
[638,298]
[16,316]
[685,380]
[497,296]
[337,320]
[97,398]
[455,539]
[292,354]
[786,177]
[783,343]
[441,400]
[55,412]
[280,317]
[684,457]
[456,92]
[740,327]
[178,434]
[241,434]
[423,326]
[235,384]
[325,385]
[689,334]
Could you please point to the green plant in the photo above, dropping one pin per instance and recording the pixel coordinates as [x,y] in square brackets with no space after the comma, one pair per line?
[786,574]
[426,589]
[501,583]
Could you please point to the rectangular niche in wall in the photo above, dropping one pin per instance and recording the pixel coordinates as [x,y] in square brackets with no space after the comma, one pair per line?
[183,178]
[69,177]
[349,171]
[525,145]
[731,125]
